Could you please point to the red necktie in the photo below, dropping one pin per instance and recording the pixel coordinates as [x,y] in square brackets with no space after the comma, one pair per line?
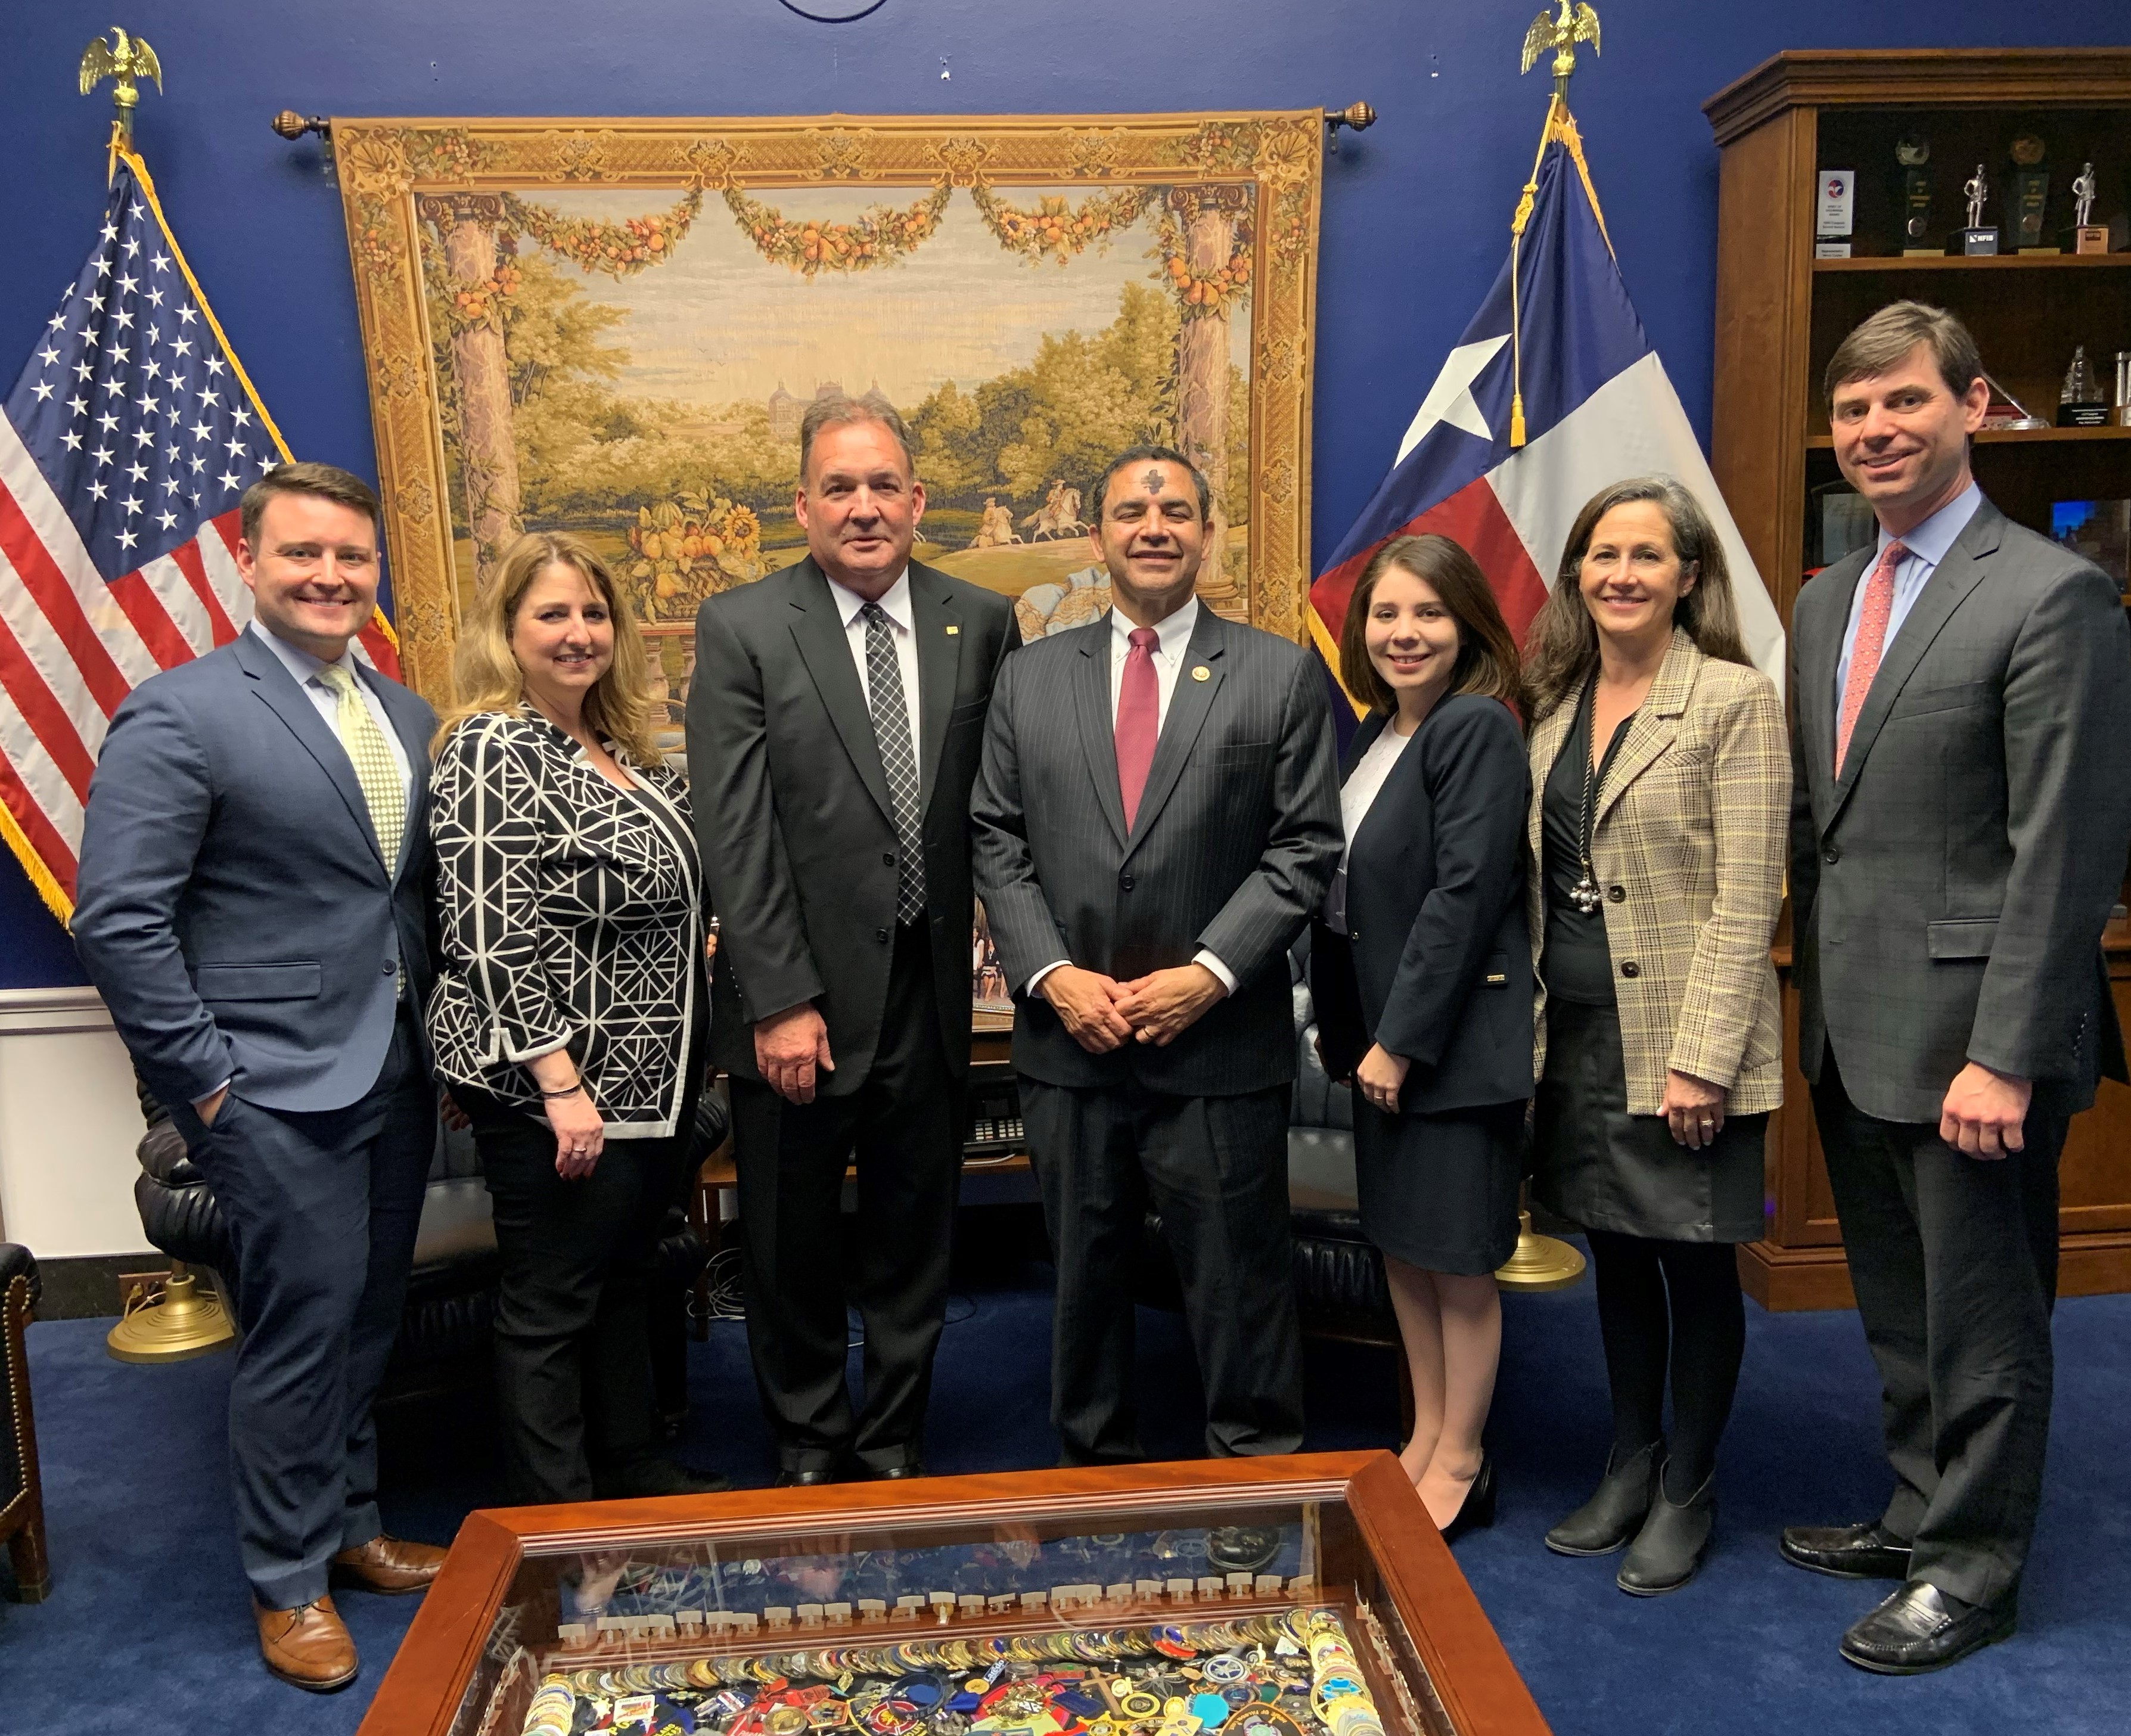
[1871,641]
[1139,719]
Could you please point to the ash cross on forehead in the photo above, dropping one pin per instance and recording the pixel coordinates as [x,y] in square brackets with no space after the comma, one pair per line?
[1151,479]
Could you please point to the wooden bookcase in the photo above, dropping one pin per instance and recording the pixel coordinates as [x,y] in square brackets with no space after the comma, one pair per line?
[1780,313]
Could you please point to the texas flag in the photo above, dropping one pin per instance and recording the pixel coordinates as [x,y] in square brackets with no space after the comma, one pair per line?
[1596,405]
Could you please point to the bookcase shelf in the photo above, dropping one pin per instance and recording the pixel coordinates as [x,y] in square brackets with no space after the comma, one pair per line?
[1887,264]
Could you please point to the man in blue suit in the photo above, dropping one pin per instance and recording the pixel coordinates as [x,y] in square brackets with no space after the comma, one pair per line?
[253,904]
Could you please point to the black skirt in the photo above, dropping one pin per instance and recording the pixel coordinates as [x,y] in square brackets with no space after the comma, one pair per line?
[1598,1166]
[1440,1191]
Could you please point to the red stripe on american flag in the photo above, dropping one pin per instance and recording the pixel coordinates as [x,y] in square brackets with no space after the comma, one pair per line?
[187,555]
[150,620]
[44,713]
[48,588]
[44,837]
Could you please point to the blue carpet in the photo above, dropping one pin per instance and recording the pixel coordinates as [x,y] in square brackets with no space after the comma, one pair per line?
[147,1628]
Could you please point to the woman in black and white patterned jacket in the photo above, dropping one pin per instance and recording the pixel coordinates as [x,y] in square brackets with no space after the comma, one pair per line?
[569,1014]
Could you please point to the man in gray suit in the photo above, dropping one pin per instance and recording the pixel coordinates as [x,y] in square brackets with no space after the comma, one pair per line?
[1157,817]
[834,726]
[254,907]
[1961,692]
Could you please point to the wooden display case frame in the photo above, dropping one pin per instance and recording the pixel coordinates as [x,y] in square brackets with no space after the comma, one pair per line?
[1780,313]
[1475,1686]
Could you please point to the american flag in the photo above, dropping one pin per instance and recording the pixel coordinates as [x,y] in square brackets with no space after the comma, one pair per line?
[124,449]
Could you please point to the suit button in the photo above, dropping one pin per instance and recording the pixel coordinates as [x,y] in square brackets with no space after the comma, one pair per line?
[880,934]
[1830,854]
[388,967]
[1125,880]
[1628,967]
[887,859]
[1616,894]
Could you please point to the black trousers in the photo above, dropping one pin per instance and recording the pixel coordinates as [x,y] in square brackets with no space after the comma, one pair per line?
[1954,1260]
[904,1122]
[573,1345]
[1216,1169]
[322,1208]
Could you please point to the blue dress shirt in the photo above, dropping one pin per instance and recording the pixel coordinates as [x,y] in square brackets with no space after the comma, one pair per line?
[1927,544]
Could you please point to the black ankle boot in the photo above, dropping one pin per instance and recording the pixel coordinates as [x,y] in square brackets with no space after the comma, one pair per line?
[1616,1511]
[1668,1550]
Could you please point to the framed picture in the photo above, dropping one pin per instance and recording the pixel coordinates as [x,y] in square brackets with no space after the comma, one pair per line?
[613,327]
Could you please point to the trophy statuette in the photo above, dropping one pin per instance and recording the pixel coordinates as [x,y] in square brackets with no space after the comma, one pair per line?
[2087,235]
[1975,239]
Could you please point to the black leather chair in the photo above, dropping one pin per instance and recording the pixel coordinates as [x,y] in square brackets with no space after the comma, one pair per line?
[21,1490]
[445,1331]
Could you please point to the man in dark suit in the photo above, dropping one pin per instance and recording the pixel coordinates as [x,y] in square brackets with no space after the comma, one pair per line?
[834,726]
[254,907]
[1157,817]
[1962,704]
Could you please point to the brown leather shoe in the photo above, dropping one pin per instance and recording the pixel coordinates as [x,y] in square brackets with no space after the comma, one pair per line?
[391,1565]
[308,1646]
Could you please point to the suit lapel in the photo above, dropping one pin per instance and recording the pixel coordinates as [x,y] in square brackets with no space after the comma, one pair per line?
[1546,741]
[818,632]
[1952,580]
[1818,663]
[274,685]
[1188,709]
[1655,724]
[937,624]
[1092,713]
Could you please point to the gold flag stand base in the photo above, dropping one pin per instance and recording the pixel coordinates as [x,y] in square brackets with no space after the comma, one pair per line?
[1540,1262]
[183,1324]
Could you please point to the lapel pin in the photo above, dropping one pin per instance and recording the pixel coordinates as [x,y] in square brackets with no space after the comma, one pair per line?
[952,631]
[1200,672]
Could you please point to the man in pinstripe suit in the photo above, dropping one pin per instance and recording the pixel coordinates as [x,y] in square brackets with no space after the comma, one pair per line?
[1156,815]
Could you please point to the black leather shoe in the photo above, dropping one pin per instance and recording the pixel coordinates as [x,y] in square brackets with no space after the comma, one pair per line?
[1616,1513]
[803,1478]
[1668,1550]
[895,1473]
[658,1477]
[1477,1511]
[1920,1628]
[1846,1552]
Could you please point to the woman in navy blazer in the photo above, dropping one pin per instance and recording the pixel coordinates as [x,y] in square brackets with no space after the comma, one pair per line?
[1422,976]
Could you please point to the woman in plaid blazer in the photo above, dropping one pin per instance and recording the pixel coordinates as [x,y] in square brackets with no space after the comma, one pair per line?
[1661,794]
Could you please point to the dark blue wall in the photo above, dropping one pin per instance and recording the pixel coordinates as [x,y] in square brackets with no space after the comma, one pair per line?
[1415,211]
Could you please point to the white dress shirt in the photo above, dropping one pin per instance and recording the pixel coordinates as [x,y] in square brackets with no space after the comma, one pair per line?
[305,668]
[895,604]
[1357,796]
[1172,638]
[1927,544]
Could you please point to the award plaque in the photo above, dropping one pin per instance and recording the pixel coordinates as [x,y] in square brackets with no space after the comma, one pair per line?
[2080,403]
[1975,238]
[2031,194]
[2087,235]
[1914,154]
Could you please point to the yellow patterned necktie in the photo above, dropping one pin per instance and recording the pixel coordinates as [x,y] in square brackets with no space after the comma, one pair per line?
[382,792]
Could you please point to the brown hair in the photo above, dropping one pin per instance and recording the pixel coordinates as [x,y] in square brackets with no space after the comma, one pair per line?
[1892,332]
[325,482]
[832,412]
[485,676]
[1487,655]
[1561,646]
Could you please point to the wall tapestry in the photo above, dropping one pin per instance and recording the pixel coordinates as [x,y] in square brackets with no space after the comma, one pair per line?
[613,327]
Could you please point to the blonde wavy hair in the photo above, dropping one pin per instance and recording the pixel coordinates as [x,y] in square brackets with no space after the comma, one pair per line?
[486,677]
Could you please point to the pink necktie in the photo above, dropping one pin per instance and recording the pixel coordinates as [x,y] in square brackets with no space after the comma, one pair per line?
[1139,719]
[1871,641]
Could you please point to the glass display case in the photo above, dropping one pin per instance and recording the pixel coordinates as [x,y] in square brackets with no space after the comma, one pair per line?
[1302,1596]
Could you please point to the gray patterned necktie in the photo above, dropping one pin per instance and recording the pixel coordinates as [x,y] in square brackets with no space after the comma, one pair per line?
[899,758]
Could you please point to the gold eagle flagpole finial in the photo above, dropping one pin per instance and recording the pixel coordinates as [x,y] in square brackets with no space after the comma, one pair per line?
[123,59]
[1577,23]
